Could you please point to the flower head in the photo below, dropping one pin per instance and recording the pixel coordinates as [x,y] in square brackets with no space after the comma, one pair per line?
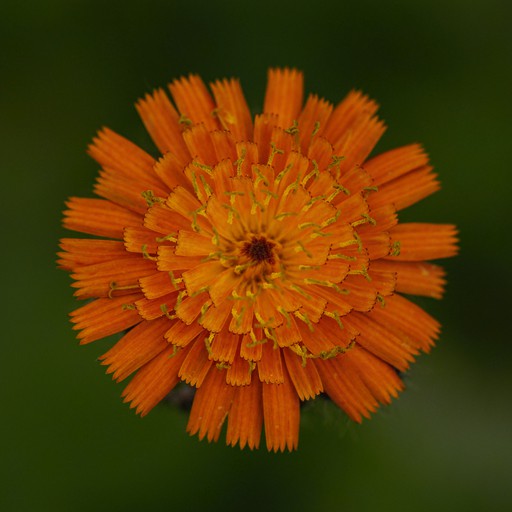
[260,262]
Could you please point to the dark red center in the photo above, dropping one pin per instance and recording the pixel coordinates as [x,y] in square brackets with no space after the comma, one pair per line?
[259,249]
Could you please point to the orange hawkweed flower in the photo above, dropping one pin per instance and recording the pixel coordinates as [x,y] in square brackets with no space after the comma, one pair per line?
[258,261]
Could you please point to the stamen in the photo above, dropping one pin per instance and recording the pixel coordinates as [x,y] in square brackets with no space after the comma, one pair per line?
[336,316]
[282,215]
[286,315]
[292,187]
[114,287]
[208,343]
[366,219]
[255,204]
[361,272]
[298,289]
[238,315]
[304,317]
[175,280]
[146,255]
[328,284]
[283,173]
[175,350]
[337,189]
[336,351]
[151,199]
[294,131]
[315,172]
[185,120]
[274,151]
[179,299]
[335,164]
[171,237]
[303,249]
[260,177]
[395,249]
[240,162]
[255,341]
[206,186]
[207,168]
[165,311]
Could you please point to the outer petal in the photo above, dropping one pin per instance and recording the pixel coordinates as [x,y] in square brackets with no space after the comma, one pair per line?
[284,95]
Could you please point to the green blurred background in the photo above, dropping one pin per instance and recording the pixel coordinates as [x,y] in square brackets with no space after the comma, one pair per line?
[441,71]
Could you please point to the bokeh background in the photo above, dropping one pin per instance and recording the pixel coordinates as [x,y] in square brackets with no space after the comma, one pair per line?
[441,71]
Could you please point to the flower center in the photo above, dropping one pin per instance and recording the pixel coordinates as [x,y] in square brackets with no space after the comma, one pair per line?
[259,250]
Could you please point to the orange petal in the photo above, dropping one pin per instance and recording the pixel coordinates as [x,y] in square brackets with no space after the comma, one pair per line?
[408,320]
[270,367]
[225,346]
[136,348]
[232,110]
[242,320]
[158,284]
[287,334]
[240,371]
[200,276]
[416,278]
[104,317]
[284,95]
[126,192]
[168,260]
[98,217]
[422,241]
[196,365]
[281,415]
[406,190]
[150,309]
[264,125]
[246,416]
[377,245]
[211,406]
[191,243]
[200,144]
[183,202]
[141,240]
[346,388]
[162,122]
[163,220]
[247,155]
[395,163]
[354,181]
[181,334]
[224,145]
[154,380]
[321,152]
[360,295]
[305,377]
[190,308]
[194,101]
[111,277]
[347,115]
[381,342]
[215,317]
[312,120]
[114,152]
[170,170]
[380,378]
[78,252]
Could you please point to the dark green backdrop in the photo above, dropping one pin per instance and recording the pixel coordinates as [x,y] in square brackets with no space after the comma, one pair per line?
[441,71]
